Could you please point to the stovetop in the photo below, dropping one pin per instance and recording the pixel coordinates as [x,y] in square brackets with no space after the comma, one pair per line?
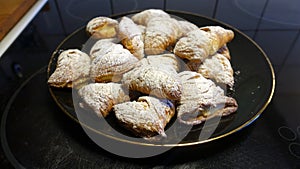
[35,133]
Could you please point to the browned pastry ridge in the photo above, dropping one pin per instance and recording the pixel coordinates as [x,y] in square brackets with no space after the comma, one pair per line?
[110,61]
[224,50]
[153,80]
[201,43]
[143,17]
[72,66]
[131,37]
[147,117]
[101,97]
[201,99]
[160,34]
[102,27]
[218,68]
[194,64]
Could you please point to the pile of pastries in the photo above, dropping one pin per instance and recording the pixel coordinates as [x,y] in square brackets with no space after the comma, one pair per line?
[149,68]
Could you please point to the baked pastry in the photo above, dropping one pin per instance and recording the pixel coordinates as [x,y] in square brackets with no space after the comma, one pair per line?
[219,35]
[102,27]
[110,61]
[225,51]
[194,64]
[145,117]
[142,18]
[72,67]
[186,27]
[152,80]
[218,68]
[102,47]
[160,34]
[143,30]
[201,99]
[131,37]
[168,62]
[201,43]
[101,97]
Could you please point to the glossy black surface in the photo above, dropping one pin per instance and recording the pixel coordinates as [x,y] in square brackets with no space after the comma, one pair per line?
[35,133]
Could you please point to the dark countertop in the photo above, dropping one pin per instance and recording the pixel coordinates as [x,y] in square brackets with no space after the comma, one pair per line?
[35,133]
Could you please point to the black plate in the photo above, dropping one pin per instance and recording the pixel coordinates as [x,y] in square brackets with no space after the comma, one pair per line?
[254,88]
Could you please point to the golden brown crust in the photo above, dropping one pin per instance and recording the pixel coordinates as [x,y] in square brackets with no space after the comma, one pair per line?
[131,37]
[72,65]
[101,97]
[219,36]
[147,117]
[160,34]
[109,64]
[203,42]
[224,50]
[102,27]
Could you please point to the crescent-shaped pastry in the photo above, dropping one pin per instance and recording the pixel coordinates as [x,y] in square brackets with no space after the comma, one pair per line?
[102,27]
[109,64]
[160,34]
[101,97]
[142,18]
[73,66]
[218,68]
[186,27]
[145,117]
[201,99]
[152,80]
[131,37]
[201,43]
[194,64]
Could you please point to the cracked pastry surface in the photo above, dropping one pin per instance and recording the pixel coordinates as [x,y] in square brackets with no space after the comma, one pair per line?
[152,80]
[201,43]
[201,99]
[131,37]
[160,34]
[110,61]
[168,62]
[72,66]
[145,117]
[102,27]
[101,97]
[186,27]
[143,17]
[218,68]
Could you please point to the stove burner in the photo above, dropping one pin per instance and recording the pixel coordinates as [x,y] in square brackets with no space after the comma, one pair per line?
[287,133]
